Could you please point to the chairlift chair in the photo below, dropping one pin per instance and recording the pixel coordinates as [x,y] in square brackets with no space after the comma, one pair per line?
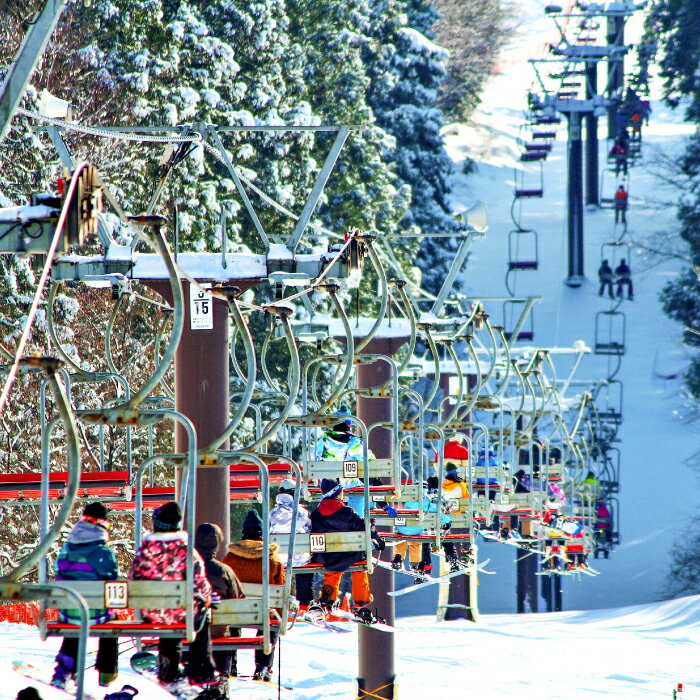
[522,249]
[610,394]
[526,333]
[610,329]
[529,181]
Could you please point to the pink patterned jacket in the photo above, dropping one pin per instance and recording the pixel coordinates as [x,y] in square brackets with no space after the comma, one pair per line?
[163,556]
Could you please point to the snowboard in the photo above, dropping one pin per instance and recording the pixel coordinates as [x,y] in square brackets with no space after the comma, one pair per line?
[43,676]
[146,664]
[316,616]
[375,624]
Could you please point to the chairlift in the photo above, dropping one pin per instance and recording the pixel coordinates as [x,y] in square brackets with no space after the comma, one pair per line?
[546,119]
[544,135]
[522,249]
[610,396]
[529,181]
[537,146]
[527,332]
[607,191]
[610,329]
[529,156]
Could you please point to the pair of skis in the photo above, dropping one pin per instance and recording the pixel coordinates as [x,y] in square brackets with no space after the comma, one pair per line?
[317,615]
[426,578]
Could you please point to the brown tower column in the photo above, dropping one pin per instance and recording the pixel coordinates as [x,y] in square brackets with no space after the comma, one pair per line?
[376,649]
[201,393]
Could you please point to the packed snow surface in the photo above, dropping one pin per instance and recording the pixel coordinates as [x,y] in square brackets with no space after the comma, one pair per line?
[626,653]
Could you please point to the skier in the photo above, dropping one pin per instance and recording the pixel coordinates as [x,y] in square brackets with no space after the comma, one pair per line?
[245,558]
[281,523]
[163,556]
[605,276]
[624,277]
[207,541]
[419,552]
[332,515]
[621,205]
[86,556]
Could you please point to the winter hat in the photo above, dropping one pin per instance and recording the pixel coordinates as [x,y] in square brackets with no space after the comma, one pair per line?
[330,488]
[167,517]
[97,514]
[288,486]
[28,693]
[207,539]
[343,412]
[252,526]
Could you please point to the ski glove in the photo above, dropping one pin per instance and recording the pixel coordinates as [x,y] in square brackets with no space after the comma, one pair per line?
[390,511]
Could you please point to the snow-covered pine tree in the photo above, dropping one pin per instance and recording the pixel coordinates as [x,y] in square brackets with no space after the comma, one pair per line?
[364,190]
[406,70]
[473,33]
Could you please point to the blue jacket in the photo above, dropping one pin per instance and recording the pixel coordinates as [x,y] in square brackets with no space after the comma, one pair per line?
[428,507]
[85,556]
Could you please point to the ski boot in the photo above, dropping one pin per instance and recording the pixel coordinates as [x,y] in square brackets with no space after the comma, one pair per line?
[126,693]
[106,679]
[455,564]
[365,616]
[326,601]
[262,673]
[64,671]
[397,562]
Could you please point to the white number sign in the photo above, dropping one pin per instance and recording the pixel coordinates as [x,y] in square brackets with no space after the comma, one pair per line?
[399,521]
[317,543]
[201,310]
[504,499]
[116,594]
[350,469]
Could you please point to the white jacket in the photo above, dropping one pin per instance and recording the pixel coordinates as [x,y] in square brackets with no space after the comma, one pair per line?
[281,522]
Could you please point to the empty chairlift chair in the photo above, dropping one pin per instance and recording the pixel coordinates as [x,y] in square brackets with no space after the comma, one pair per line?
[610,329]
[516,327]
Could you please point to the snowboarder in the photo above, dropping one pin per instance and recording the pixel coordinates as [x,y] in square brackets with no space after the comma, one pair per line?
[163,557]
[621,205]
[623,275]
[605,276]
[86,556]
[245,558]
[207,541]
[340,444]
[332,515]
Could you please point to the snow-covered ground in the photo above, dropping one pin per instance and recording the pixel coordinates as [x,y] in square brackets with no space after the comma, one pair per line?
[631,653]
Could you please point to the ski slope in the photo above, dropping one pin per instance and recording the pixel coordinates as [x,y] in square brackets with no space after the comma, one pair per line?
[628,653]
[659,491]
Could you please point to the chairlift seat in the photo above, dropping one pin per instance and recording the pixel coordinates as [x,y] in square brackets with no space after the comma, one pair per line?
[538,146]
[548,135]
[519,194]
[276,472]
[547,120]
[530,156]
[523,265]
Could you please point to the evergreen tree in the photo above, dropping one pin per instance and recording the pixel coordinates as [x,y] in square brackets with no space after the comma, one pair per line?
[364,190]
[406,70]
